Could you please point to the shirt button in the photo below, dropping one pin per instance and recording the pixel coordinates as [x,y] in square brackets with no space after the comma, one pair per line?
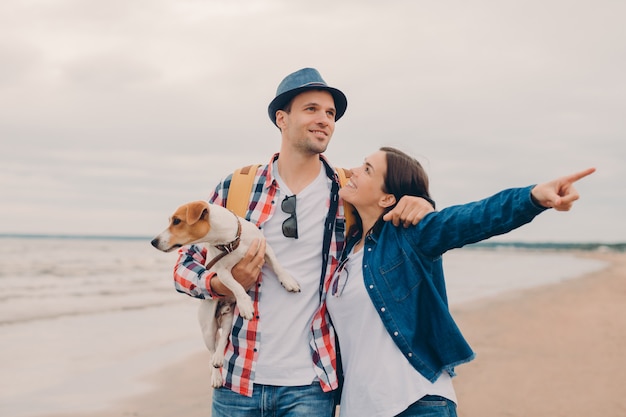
[410,355]
[371,286]
[395,333]
[369,249]
[382,309]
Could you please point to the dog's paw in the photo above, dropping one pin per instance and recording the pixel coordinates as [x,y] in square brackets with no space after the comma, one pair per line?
[290,284]
[217,360]
[246,308]
[216,378]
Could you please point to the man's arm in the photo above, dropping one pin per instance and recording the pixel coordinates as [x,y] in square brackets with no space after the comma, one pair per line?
[246,271]
[409,211]
[190,275]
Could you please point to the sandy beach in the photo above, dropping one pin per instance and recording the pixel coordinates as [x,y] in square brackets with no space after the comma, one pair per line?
[552,350]
[557,350]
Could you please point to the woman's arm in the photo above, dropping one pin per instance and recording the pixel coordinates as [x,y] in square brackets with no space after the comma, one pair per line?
[457,226]
[560,193]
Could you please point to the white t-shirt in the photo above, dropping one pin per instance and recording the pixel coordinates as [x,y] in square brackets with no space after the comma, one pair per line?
[284,356]
[379,381]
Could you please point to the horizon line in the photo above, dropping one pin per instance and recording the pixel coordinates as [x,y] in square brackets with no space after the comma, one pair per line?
[142,237]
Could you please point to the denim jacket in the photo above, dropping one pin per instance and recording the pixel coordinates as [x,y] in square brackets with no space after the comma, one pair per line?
[403,275]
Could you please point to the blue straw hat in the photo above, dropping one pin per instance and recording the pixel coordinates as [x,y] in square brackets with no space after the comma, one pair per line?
[300,81]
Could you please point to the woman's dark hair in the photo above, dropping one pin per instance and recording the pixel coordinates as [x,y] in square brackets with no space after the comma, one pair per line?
[405,176]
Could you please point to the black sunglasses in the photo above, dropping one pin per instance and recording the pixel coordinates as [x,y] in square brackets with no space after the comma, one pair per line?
[338,275]
[290,226]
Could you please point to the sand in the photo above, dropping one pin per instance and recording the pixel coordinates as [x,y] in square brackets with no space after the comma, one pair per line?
[557,350]
[551,351]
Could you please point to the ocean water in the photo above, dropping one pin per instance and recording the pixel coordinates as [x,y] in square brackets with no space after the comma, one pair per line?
[83,322]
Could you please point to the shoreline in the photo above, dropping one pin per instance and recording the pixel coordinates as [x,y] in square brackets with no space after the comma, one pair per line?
[544,351]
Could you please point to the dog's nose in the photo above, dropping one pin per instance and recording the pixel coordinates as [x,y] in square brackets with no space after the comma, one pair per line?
[155,242]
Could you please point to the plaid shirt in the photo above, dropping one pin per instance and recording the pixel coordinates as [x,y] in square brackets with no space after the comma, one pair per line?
[190,277]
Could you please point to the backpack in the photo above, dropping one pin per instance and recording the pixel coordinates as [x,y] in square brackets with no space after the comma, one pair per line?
[241,187]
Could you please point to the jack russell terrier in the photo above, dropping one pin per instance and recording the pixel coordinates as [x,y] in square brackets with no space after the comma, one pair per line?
[228,238]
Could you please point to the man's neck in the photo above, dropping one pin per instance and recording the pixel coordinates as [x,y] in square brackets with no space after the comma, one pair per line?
[298,171]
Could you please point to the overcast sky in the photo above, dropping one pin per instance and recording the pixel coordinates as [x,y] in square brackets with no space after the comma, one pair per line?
[113,113]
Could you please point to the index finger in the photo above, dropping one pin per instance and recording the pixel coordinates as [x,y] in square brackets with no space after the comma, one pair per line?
[579,175]
[392,216]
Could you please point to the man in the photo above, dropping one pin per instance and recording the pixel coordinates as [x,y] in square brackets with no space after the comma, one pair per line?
[284,359]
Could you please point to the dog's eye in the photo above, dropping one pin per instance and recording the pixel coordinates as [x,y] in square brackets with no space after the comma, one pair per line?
[175,221]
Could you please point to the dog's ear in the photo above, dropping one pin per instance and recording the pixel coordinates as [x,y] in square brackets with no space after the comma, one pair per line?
[196,211]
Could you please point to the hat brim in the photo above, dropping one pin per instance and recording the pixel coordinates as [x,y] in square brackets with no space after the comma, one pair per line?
[279,103]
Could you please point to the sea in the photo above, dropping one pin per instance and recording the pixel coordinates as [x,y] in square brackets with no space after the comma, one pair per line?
[84,321]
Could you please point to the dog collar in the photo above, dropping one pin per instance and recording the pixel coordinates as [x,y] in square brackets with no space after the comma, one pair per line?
[228,247]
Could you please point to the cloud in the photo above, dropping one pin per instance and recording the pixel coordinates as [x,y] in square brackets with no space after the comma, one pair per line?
[121,110]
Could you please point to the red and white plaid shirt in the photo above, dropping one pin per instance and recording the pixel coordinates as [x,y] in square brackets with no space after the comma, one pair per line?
[191,278]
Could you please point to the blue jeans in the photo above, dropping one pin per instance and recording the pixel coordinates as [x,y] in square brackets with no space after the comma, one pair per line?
[273,401]
[430,406]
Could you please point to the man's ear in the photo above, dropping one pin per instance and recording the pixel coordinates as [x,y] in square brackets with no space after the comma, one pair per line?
[280,119]
[387,200]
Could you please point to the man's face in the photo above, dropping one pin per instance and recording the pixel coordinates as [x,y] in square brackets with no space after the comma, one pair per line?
[310,124]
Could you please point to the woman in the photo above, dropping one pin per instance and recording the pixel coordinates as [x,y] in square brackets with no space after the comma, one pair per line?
[387,299]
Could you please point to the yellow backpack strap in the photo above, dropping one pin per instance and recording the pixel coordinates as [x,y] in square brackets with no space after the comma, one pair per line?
[348,209]
[240,188]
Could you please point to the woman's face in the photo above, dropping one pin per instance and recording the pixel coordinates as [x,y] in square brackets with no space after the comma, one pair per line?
[364,190]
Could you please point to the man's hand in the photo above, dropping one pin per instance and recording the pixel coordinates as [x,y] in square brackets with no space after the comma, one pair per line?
[246,271]
[560,193]
[409,211]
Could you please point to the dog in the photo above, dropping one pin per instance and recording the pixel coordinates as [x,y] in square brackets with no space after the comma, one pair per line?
[227,238]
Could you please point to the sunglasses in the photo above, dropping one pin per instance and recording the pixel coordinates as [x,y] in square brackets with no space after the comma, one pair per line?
[338,276]
[290,226]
